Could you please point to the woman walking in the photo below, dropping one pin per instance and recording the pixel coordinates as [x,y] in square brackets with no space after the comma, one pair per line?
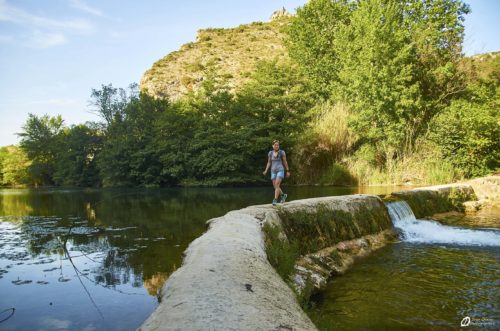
[276,160]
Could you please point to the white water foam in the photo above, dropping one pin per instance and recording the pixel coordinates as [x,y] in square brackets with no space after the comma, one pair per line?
[424,231]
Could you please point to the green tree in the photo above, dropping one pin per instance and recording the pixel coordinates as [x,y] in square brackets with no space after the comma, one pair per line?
[41,142]
[3,155]
[312,38]
[14,165]
[437,32]
[273,105]
[214,137]
[110,102]
[395,64]
[275,101]
[76,159]
[128,157]
[468,131]
[196,142]
[377,73]
[174,133]
[215,149]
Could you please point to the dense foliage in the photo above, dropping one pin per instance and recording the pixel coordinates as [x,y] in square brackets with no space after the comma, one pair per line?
[377,91]
[469,130]
[212,137]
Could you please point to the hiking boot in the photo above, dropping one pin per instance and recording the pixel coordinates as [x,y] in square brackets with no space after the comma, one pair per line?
[275,202]
[283,198]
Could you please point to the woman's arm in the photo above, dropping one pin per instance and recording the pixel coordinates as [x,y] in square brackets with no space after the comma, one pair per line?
[285,163]
[267,165]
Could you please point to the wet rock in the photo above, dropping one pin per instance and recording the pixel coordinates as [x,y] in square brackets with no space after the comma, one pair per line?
[486,187]
[313,271]
[426,201]
[472,207]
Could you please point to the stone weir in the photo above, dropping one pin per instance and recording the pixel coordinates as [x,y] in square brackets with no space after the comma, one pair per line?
[227,282]
[254,267]
[427,201]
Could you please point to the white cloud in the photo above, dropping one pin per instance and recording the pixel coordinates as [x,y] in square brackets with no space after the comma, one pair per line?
[81,5]
[90,327]
[16,15]
[45,40]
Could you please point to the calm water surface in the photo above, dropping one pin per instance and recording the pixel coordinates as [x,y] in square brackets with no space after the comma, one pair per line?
[96,259]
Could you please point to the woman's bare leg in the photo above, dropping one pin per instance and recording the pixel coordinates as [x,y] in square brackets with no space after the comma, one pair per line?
[277,189]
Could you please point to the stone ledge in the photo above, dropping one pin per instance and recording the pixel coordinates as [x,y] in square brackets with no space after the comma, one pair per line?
[486,187]
[226,283]
[317,268]
[427,201]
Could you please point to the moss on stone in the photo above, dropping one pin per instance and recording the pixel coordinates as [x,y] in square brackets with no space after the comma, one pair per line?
[314,229]
[281,253]
[428,202]
[336,257]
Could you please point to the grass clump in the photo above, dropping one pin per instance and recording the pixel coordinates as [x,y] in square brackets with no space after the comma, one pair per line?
[281,253]
[335,256]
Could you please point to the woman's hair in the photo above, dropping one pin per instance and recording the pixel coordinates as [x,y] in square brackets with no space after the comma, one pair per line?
[276,141]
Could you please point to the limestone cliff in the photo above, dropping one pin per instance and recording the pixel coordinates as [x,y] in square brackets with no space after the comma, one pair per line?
[230,53]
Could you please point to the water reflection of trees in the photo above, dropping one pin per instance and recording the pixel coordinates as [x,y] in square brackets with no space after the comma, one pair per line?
[133,237]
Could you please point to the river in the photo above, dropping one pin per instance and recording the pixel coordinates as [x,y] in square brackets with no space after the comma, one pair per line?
[96,259]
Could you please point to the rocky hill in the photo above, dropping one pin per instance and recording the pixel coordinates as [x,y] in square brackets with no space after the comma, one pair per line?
[487,65]
[232,53]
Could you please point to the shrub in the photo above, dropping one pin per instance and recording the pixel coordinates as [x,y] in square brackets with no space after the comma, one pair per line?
[468,132]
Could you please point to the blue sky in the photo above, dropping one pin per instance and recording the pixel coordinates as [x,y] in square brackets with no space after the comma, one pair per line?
[53,52]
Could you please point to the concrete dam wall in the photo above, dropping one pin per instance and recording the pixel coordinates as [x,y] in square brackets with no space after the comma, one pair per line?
[253,267]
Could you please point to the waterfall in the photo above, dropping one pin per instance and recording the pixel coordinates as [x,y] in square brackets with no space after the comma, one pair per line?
[426,231]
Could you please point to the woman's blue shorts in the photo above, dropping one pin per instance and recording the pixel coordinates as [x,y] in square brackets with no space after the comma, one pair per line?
[280,173]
